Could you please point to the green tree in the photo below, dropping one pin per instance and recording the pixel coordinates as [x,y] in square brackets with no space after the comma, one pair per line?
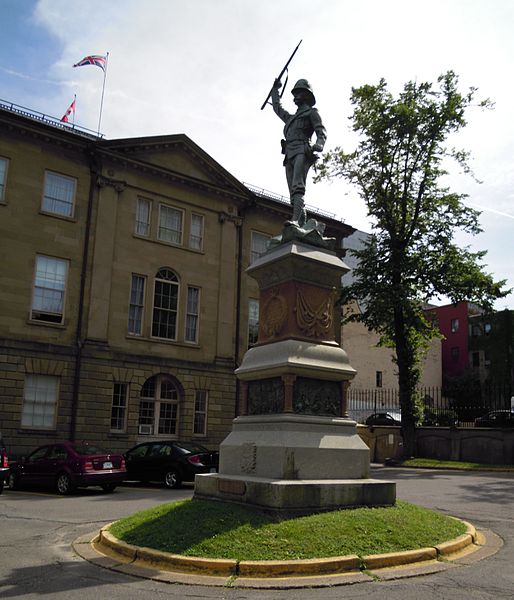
[411,256]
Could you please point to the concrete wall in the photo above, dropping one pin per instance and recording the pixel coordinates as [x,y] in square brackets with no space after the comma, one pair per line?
[480,445]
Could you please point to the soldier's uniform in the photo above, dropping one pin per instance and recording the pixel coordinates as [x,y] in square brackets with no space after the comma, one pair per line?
[299,155]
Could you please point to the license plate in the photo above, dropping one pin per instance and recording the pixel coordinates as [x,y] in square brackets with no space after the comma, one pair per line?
[107,465]
[212,470]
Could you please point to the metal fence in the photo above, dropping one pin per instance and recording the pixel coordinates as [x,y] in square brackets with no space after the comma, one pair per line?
[446,406]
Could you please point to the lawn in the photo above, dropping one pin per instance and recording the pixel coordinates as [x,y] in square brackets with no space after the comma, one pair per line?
[204,528]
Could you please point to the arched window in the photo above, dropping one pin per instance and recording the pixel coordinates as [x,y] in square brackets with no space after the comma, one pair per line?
[165,304]
[158,406]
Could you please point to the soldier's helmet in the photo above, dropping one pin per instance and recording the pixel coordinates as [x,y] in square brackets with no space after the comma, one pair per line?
[303,84]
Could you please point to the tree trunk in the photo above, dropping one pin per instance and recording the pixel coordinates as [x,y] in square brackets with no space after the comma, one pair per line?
[407,382]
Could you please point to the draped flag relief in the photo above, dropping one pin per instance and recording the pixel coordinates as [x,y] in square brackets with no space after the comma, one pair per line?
[95,59]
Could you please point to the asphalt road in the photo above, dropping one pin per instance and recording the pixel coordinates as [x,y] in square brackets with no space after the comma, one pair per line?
[37,561]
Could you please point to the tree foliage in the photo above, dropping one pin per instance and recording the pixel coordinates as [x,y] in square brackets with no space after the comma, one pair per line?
[411,256]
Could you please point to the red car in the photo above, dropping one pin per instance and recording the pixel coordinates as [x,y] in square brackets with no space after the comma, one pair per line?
[67,466]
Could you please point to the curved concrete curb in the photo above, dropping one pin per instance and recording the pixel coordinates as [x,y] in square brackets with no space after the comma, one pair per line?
[103,549]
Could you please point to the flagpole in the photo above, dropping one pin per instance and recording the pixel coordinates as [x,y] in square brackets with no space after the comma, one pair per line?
[103,90]
[74,107]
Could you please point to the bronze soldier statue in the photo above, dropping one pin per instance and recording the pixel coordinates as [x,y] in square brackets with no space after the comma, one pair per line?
[299,153]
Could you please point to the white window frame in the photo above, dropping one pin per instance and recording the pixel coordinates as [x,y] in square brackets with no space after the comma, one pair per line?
[136,305]
[192,316]
[154,421]
[3,177]
[38,313]
[143,221]
[162,229]
[162,310]
[50,203]
[252,302]
[40,398]
[200,413]
[258,245]
[119,406]
[196,238]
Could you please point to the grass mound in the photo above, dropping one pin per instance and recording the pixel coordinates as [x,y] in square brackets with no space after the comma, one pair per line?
[204,528]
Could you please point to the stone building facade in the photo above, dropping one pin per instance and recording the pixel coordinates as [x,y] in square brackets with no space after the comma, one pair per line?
[124,303]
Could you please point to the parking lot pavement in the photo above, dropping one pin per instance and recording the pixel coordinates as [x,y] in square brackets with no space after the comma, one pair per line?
[38,529]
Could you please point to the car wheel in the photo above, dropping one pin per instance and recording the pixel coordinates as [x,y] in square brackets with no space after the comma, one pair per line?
[12,482]
[172,479]
[64,484]
[108,487]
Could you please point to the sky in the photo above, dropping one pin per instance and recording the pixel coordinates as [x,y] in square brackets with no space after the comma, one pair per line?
[204,68]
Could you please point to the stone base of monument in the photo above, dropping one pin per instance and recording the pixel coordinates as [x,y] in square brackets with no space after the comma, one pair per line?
[295,462]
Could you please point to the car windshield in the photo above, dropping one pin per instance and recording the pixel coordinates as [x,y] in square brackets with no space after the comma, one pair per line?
[89,449]
[186,448]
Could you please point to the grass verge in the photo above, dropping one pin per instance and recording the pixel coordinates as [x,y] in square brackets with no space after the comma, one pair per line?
[453,464]
[211,529]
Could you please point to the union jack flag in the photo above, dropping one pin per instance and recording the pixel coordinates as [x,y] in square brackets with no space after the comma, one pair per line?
[94,59]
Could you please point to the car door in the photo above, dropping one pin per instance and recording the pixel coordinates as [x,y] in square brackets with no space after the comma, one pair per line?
[34,466]
[136,462]
[56,462]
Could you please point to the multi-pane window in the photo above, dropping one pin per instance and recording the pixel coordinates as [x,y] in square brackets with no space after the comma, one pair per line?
[378,379]
[143,216]
[253,322]
[136,306]
[164,320]
[49,289]
[158,408]
[196,232]
[200,417]
[59,194]
[193,306]
[40,401]
[455,353]
[119,407]
[454,325]
[259,245]
[3,177]
[170,224]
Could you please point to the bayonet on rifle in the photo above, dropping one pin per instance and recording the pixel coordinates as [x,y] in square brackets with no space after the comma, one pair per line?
[281,73]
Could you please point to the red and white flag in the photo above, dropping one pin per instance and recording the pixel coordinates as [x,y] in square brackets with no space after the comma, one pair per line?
[71,109]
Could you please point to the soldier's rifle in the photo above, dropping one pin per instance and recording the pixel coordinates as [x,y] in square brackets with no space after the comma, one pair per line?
[280,76]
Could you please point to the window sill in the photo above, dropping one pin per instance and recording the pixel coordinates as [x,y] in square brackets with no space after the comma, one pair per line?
[153,340]
[138,236]
[46,324]
[58,216]
[33,431]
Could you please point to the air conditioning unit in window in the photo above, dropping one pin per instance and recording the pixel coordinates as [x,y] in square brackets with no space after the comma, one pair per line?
[145,429]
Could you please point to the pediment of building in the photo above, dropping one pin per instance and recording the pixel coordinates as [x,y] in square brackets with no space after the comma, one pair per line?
[178,155]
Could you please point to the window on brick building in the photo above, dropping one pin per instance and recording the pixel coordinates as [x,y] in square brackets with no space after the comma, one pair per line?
[3,177]
[59,194]
[136,305]
[165,305]
[455,353]
[40,401]
[196,232]
[259,245]
[119,407]
[49,289]
[253,322]
[158,406]
[193,313]
[170,224]
[454,325]
[143,211]
[200,416]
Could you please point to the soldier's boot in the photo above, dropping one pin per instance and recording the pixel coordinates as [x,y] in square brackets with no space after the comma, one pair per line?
[299,214]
